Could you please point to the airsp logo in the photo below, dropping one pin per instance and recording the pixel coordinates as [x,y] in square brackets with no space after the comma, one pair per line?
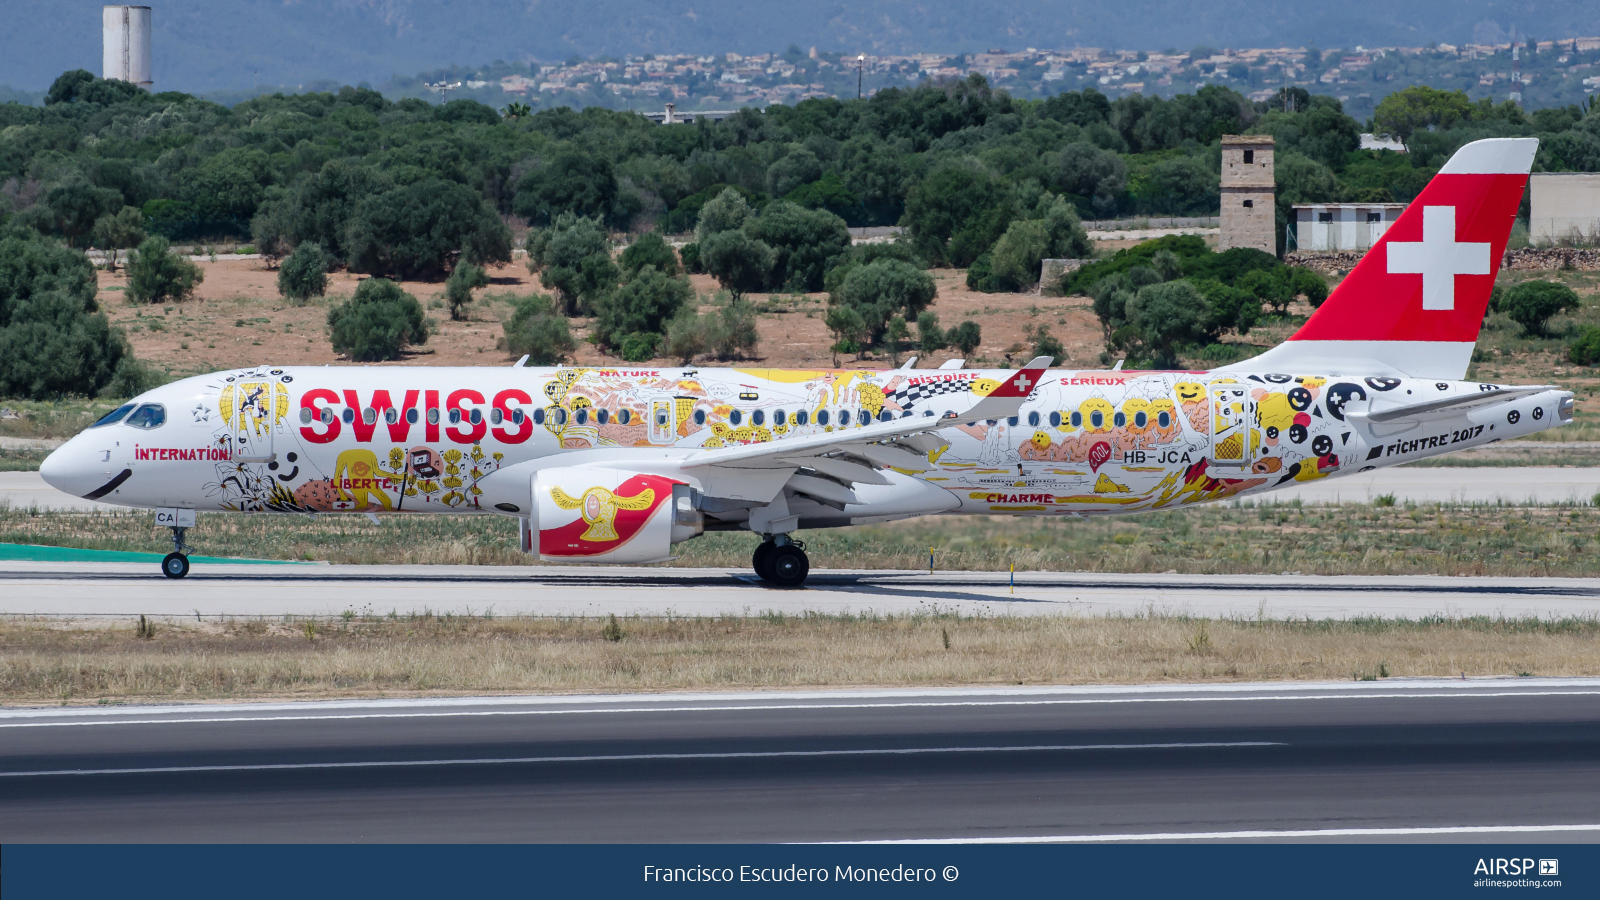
[1515,867]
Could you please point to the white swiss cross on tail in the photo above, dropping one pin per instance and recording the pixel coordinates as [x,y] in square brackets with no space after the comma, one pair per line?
[1438,257]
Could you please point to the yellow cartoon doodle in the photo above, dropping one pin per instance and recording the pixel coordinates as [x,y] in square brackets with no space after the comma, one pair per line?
[1097,413]
[1164,420]
[1104,485]
[355,478]
[600,507]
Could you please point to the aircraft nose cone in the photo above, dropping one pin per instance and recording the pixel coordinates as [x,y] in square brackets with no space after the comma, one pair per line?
[56,470]
[77,468]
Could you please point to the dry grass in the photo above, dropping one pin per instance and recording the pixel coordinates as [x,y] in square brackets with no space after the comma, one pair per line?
[1351,539]
[74,662]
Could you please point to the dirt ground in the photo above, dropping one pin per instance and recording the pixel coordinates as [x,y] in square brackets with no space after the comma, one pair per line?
[237,319]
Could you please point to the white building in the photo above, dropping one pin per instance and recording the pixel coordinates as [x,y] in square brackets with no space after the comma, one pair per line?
[125,44]
[1341,226]
[1563,206]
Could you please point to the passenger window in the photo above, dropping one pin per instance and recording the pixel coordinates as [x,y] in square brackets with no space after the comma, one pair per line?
[455,417]
[822,417]
[411,416]
[433,417]
[736,417]
[604,415]
[885,416]
[150,415]
[115,416]
[624,416]
[759,417]
[863,416]
[778,417]
[349,415]
[699,417]
[583,415]
[802,417]
[1033,419]
[495,416]
[305,416]
[538,417]
[369,416]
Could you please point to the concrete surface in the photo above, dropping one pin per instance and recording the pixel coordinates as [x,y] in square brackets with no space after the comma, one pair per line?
[1405,760]
[123,589]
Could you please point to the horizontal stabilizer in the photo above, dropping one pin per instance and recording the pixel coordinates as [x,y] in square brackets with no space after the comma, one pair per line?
[1453,405]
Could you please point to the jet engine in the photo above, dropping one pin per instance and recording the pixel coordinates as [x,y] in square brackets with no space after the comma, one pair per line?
[598,515]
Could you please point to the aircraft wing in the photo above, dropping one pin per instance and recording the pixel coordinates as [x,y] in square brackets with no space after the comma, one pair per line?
[854,454]
[1454,405]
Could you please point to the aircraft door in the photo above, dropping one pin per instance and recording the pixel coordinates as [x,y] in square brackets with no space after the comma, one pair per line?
[251,409]
[661,424]
[1232,418]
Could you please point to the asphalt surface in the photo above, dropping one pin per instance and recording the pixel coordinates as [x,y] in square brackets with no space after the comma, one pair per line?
[1508,484]
[1422,760]
[74,589]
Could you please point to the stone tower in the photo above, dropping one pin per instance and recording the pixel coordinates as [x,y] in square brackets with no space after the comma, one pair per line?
[1248,216]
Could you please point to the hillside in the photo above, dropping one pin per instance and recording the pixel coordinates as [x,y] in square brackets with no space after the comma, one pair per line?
[211,45]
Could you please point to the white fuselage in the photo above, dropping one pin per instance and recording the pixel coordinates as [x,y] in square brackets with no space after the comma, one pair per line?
[444,440]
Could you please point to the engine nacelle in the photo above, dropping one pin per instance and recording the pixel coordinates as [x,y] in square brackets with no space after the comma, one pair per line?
[596,515]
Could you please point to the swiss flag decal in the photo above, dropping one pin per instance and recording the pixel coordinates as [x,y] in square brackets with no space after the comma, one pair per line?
[1429,277]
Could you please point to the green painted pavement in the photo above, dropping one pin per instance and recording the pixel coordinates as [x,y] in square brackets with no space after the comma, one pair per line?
[41,553]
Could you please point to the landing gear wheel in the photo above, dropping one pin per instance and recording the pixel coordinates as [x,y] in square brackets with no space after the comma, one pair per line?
[788,566]
[175,565]
[761,560]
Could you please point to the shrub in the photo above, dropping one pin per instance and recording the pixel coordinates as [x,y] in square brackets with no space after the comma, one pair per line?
[1585,351]
[691,259]
[740,263]
[416,229]
[805,243]
[53,340]
[1161,317]
[639,346]
[574,257]
[725,212]
[727,333]
[880,289]
[119,231]
[132,378]
[155,274]
[1531,304]
[377,323]
[966,337]
[849,329]
[649,250]
[1045,343]
[458,287]
[930,337]
[538,330]
[981,277]
[304,274]
[642,306]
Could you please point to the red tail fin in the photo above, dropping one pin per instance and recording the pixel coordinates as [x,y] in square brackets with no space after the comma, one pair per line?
[1415,302]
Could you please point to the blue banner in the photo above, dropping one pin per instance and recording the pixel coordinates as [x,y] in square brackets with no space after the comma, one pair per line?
[1229,870]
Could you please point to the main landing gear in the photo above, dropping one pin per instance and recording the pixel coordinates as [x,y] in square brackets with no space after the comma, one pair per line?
[781,561]
[176,563]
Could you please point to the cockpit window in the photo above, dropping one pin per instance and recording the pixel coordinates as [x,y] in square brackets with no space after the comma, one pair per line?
[115,416]
[150,415]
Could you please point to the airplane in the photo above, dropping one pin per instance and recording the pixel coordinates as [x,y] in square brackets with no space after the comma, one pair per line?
[616,465]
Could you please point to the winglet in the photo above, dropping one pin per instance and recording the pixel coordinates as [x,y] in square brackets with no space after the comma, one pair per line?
[1007,399]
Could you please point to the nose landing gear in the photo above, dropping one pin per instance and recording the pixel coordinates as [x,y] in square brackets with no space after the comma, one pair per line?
[176,563]
[781,561]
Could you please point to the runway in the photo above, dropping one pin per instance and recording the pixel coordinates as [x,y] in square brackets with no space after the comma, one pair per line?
[71,589]
[1403,760]
[1508,484]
